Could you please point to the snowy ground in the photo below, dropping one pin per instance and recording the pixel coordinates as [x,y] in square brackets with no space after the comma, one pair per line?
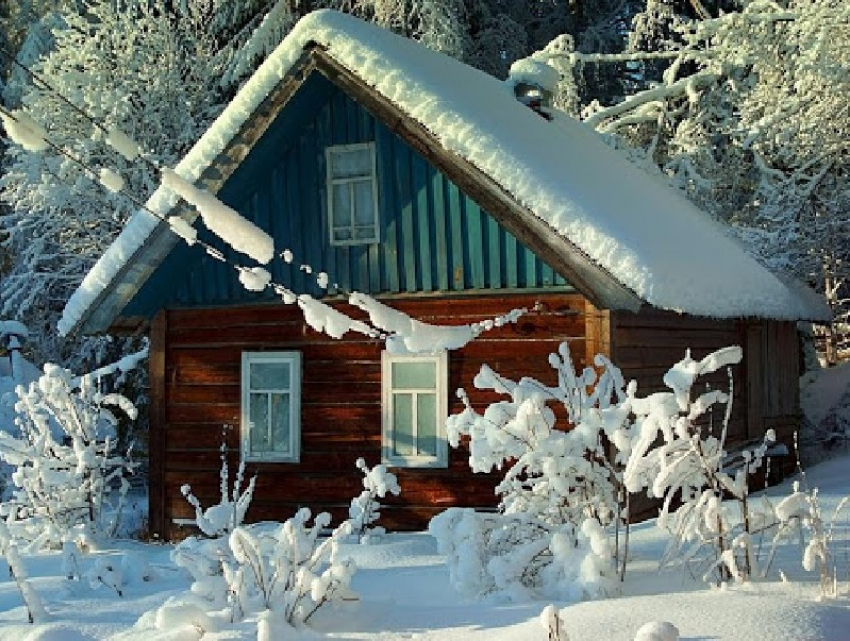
[405,593]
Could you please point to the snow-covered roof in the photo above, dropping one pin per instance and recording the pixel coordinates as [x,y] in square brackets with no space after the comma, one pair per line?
[628,223]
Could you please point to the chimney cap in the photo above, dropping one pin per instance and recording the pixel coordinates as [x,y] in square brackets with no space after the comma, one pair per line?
[533,82]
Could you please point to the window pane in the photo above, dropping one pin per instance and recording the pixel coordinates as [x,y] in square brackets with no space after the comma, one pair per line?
[258,430]
[342,206]
[266,376]
[426,423]
[414,375]
[403,425]
[280,423]
[364,206]
[351,163]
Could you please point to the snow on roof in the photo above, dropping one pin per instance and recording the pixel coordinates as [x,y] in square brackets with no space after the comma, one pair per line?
[647,235]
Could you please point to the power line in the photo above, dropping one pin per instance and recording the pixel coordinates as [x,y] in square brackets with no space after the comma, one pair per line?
[90,172]
[93,175]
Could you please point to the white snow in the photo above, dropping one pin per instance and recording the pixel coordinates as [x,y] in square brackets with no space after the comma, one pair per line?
[658,631]
[255,279]
[183,229]
[534,72]
[111,180]
[404,591]
[123,144]
[240,233]
[632,224]
[24,130]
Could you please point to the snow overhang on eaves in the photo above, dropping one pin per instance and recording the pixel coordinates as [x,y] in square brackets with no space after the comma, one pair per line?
[604,224]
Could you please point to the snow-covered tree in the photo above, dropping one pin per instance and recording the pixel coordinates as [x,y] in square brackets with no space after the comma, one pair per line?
[131,66]
[747,117]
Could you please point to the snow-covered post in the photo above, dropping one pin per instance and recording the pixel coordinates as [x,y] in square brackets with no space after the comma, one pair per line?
[552,623]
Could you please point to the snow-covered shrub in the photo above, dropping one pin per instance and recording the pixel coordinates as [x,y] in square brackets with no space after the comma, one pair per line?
[566,490]
[559,481]
[70,483]
[365,508]
[515,557]
[249,569]
[203,557]
[225,516]
[678,456]
[291,571]
[800,512]
[558,475]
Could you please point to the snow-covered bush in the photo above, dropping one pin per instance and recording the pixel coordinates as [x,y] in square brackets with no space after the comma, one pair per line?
[558,475]
[566,490]
[290,571]
[225,516]
[203,557]
[515,557]
[679,456]
[800,513]
[70,482]
[365,508]
[559,484]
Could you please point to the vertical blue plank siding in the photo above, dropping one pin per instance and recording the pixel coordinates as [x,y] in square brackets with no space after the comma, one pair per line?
[433,237]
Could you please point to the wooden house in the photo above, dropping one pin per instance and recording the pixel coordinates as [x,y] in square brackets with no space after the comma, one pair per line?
[426,184]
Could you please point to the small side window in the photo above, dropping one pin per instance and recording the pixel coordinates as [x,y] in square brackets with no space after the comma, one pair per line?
[414,410]
[271,406]
[352,194]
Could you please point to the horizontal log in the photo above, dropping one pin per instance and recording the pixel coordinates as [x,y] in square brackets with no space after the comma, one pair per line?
[654,319]
[675,341]
[428,308]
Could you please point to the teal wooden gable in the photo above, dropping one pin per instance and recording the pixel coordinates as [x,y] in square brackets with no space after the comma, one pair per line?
[434,238]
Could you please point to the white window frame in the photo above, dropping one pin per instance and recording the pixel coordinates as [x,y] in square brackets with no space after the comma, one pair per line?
[294,391]
[372,177]
[387,394]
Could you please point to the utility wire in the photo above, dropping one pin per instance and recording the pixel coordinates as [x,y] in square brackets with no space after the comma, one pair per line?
[210,249]
[39,80]
[93,175]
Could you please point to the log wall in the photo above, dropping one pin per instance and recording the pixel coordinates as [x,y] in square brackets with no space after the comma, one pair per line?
[765,383]
[195,371]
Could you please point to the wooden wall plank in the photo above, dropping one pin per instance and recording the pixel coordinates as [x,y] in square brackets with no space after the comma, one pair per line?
[202,376]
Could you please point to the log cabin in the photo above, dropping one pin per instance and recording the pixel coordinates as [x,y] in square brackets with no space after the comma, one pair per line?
[429,185]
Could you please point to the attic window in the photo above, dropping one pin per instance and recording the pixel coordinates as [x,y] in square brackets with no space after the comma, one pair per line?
[352,194]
